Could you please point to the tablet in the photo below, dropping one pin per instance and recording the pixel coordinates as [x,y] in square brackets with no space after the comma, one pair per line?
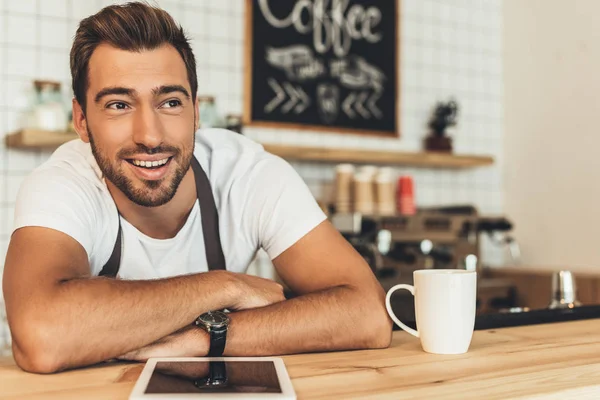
[213,377]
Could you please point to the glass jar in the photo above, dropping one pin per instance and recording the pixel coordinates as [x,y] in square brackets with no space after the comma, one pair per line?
[209,116]
[48,112]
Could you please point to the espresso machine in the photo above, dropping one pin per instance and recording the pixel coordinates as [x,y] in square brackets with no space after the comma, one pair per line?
[433,238]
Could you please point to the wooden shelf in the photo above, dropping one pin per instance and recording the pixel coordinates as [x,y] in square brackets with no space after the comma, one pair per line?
[427,160]
[32,139]
[38,139]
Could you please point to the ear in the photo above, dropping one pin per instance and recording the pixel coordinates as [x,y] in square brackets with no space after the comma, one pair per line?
[80,122]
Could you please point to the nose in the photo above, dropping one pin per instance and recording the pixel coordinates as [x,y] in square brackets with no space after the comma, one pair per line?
[148,130]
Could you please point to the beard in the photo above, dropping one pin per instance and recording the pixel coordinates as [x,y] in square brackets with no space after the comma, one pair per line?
[148,193]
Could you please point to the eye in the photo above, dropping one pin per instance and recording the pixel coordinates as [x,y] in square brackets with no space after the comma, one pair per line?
[117,105]
[171,103]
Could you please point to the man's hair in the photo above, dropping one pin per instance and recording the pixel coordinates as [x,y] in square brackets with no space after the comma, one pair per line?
[133,26]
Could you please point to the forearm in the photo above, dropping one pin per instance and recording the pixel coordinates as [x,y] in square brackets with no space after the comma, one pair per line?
[84,321]
[340,318]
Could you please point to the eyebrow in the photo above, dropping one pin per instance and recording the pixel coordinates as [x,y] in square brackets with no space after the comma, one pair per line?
[114,90]
[158,91]
[166,89]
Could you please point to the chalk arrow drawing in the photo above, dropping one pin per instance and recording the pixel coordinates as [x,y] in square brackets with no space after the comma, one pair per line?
[359,106]
[305,101]
[279,96]
[373,107]
[298,99]
[294,97]
[347,105]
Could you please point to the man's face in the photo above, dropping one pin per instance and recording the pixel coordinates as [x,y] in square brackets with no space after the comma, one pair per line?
[141,121]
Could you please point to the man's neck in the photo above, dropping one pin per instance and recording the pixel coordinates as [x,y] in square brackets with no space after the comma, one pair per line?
[162,222]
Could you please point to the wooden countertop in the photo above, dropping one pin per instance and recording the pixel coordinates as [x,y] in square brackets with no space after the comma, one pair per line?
[580,271]
[552,361]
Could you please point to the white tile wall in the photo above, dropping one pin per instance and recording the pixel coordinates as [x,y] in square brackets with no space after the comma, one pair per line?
[52,8]
[21,6]
[53,34]
[22,29]
[448,48]
[82,9]
[20,61]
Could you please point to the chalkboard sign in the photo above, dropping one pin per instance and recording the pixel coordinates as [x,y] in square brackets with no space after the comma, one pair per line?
[322,64]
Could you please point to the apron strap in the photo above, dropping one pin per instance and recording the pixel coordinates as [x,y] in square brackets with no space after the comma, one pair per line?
[210,228]
[210,219]
[111,268]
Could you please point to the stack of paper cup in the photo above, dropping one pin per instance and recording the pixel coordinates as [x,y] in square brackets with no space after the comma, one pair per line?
[385,196]
[364,196]
[367,190]
[369,170]
[343,188]
[406,195]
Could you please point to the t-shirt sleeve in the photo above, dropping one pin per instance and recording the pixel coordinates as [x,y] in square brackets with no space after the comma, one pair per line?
[280,208]
[57,199]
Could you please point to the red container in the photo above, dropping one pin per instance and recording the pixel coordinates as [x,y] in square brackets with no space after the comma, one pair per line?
[405,196]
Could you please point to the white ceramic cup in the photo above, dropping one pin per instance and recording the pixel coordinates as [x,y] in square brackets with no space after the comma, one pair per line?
[445,302]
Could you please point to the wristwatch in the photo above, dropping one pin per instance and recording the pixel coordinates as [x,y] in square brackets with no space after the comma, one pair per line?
[215,323]
[217,376]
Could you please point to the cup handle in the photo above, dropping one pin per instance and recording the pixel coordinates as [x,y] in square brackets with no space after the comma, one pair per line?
[411,289]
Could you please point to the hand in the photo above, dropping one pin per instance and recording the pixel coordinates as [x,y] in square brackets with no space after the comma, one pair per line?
[190,341]
[256,292]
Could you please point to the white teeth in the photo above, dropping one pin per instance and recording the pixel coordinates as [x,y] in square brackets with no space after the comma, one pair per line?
[148,164]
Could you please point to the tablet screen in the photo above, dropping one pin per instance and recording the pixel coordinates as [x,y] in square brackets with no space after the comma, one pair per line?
[214,377]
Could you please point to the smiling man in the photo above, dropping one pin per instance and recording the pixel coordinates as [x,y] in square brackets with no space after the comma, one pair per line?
[128,242]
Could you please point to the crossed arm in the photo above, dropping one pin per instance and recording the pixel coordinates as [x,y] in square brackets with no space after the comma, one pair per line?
[341,306]
[62,318]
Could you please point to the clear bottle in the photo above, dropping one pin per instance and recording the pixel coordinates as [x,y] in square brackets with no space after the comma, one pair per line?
[48,113]
[209,116]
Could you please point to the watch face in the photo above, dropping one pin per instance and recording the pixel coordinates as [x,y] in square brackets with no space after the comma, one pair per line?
[215,318]
[208,382]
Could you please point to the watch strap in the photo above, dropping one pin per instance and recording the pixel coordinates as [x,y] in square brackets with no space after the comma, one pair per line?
[218,338]
[218,371]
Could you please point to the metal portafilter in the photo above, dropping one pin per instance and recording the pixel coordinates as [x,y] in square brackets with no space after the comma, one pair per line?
[564,291]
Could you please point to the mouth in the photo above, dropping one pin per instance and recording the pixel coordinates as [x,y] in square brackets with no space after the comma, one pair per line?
[150,170]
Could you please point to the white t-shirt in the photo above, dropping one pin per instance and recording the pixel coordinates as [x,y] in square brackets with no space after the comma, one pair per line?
[261,201]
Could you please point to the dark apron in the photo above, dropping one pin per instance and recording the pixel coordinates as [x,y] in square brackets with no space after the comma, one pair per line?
[210,228]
